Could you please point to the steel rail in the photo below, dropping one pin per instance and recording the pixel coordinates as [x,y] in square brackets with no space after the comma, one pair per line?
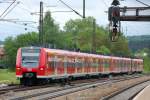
[125,89]
[67,90]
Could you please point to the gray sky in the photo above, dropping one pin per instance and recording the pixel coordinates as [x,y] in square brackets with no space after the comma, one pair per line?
[94,8]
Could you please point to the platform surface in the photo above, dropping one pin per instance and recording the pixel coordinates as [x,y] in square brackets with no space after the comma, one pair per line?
[144,94]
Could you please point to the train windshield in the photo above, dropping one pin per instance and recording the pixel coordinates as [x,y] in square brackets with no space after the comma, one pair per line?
[30,57]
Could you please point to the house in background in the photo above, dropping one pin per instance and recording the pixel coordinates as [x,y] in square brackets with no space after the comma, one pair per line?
[2,55]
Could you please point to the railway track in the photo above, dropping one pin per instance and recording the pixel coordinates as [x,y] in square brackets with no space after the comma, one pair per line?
[129,92]
[71,89]
[18,88]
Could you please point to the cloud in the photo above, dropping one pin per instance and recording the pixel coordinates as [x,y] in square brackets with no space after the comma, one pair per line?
[94,8]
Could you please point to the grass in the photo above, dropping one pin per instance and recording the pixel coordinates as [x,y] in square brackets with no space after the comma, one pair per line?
[8,77]
[147,64]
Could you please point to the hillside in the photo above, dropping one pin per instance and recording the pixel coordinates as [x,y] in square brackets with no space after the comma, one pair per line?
[139,42]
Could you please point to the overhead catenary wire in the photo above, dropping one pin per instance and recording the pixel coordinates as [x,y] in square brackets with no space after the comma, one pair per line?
[5,1]
[7,8]
[65,11]
[10,9]
[24,8]
[23,24]
[143,3]
[71,8]
[18,22]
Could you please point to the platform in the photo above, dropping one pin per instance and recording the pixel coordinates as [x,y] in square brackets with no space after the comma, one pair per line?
[144,94]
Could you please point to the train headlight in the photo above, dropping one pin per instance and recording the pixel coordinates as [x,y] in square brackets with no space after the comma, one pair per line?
[18,69]
[41,69]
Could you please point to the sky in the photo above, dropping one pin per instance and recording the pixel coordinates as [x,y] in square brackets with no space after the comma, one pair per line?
[95,8]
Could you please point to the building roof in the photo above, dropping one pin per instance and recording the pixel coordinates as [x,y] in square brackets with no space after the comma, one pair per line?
[1,50]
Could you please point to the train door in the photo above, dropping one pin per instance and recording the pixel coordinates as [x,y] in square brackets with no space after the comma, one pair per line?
[129,66]
[117,65]
[95,65]
[111,65]
[88,65]
[92,64]
[70,65]
[60,65]
[51,64]
[106,65]
[114,66]
[79,65]
[65,65]
[100,67]
[121,65]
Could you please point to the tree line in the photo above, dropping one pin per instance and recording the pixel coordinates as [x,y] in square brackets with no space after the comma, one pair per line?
[76,33]
[139,42]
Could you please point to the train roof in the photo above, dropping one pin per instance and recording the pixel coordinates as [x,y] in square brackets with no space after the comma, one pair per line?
[137,59]
[79,54]
[71,53]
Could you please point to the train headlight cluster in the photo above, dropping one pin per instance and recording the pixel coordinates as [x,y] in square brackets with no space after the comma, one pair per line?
[18,69]
[41,69]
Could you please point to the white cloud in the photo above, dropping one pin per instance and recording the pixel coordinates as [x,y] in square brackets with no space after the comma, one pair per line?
[94,8]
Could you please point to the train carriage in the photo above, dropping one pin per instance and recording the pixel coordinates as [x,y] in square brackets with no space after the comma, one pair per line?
[137,65]
[35,63]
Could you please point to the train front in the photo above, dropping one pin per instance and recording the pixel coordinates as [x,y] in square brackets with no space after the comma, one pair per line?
[27,65]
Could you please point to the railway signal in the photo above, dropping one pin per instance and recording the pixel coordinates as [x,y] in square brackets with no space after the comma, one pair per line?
[114,18]
[117,14]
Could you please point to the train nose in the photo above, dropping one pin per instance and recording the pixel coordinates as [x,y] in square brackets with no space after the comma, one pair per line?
[29,75]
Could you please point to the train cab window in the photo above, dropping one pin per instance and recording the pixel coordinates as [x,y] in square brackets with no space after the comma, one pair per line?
[30,57]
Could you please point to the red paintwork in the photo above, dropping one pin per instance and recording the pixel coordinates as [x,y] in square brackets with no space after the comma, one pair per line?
[18,63]
[45,70]
[42,63]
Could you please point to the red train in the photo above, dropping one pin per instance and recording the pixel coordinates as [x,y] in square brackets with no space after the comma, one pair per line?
[35,63]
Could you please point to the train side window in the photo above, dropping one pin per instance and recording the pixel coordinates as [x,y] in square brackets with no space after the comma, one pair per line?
[89,63]
[76,62]
[51,61]
[73,62]
[83,63]
[103,62]
[96,63]
[65,61]
[99,62]
[86,64]
[79,62]
[106,63]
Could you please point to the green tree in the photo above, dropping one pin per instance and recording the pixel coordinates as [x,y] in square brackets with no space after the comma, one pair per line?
[104,50]
[11,46]
[80,31]
[51,31]
[120,47]
[10,51]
